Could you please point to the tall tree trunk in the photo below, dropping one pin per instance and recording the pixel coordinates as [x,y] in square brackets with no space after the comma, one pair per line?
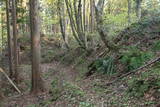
[2,33]
[9,40]
[14,20]
[76,20]
[92,16]
[100,26]
[62,22]
[84,23]
[72,22]
[37,85]
[138,8]
[129,11]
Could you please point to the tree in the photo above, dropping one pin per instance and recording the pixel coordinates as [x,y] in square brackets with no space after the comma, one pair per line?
[100,26]
[138,8]
[37,85]
[14,22]
[76,20]
[129,10]
[62,22]
[9,40]
[92,16]
[2,33]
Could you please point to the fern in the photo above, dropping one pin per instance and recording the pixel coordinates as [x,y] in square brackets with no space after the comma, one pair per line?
[156,46]
[138,87]
[105,65]
[134,58]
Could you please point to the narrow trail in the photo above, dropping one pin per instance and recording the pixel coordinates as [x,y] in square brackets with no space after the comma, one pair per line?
[63,73]
[67,73]
[70,75]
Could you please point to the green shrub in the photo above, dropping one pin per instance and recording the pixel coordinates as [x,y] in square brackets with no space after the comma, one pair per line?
[105,65]
[146,82]
[156,46]
[138,87]
[47,56]
[134,58]
[55,91]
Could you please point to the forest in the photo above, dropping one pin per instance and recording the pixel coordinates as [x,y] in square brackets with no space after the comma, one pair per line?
[79,53]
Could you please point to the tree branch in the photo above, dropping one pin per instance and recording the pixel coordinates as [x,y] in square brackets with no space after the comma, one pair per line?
[134,71]
[2,71]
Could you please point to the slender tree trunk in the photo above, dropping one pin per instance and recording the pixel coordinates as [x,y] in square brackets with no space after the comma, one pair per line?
[84,23]
[100,26]
[72,22]
[138,8]
[62,22]
[84,15]
[37,85]
[76,20]
[129,11]
[92,16]
[9,40]
[14,21]
[2,33]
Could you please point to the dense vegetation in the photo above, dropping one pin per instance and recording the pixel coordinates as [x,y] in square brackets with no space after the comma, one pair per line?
[79,53]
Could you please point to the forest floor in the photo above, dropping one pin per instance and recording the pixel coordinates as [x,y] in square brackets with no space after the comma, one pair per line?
[65,87]
[66,83]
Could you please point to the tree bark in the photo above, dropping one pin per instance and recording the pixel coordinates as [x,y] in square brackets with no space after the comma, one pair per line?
[129,11]
[9,40]
[62,22]
[14,20]
[84,23]
[75,15]
[72,22]
[92,16]
[138,8]
[37,85]
[2,33]
[100,26]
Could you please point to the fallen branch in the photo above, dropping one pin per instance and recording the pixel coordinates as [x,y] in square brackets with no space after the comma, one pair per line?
[2,71]
[134,71]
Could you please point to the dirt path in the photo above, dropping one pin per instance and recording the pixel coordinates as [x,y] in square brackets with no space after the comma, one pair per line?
[75,90]
[63,73]
[70,75]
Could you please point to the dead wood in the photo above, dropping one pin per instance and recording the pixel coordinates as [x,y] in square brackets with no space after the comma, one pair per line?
[134,71]
[10,81]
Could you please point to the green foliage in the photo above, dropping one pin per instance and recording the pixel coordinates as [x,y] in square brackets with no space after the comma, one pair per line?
[105,65]
[156,46]
[25,39]
[48,55]
[70,91]
[55,91]
[73,91]
[142,28]
[139,87]
[134,58]
[85,104]
[118,19]
[45,103]
[147,81]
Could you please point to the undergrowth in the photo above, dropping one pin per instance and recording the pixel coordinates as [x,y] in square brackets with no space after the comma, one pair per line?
[156,46]
[147,84]
[134,58]
[105,65]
